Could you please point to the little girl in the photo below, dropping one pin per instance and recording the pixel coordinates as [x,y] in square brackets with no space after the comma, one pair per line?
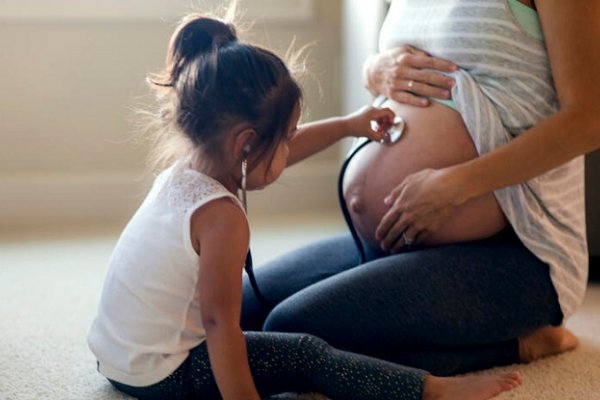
[168,320]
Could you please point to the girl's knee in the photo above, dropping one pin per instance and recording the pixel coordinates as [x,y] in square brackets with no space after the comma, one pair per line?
[312,348]
[313,342]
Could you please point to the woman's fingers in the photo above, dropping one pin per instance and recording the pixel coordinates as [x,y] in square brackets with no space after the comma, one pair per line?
[426,89]
[411,76]
[404,97]
[386,223]
[417,73]
[424,82]
[431,78]
[391,225]
[423,61]
[391,230]
[398,232]
[408,238]
[418,207]
[429,62]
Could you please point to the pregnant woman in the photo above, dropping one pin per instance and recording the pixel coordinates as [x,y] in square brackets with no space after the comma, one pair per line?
[473,223]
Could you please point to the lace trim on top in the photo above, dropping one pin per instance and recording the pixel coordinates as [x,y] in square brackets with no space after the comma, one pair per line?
[184,188]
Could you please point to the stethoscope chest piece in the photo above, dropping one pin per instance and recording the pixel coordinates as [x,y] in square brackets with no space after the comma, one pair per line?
[394,133]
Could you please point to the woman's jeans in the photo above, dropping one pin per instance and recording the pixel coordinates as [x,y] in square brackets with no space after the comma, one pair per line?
[447,310]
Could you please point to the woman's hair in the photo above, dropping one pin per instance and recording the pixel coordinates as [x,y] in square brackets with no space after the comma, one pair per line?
[213,82]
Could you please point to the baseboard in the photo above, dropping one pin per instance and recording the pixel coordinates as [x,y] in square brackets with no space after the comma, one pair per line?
[110,198]
[30,201]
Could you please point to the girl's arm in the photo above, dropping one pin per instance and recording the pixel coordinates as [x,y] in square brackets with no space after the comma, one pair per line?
[316,136]
[571,31]
[220,233]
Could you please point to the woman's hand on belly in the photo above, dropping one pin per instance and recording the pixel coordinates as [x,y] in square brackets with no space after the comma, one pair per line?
[405,74]
[421,204]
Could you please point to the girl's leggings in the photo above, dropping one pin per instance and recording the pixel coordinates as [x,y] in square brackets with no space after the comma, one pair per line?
[447,310]
[284,362]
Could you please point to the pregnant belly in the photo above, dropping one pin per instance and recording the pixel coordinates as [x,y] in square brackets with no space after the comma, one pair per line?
[434,137]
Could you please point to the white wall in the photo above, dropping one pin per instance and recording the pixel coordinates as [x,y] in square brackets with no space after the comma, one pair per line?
[72,71]
[71,77]
[360,27]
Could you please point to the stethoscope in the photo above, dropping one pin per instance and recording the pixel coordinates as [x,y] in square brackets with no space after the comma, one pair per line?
[393,134]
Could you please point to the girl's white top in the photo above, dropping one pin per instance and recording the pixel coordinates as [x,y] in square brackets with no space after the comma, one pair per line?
[149,313]
[504,87]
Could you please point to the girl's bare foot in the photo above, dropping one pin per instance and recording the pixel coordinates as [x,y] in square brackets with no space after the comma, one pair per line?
[476,387]
[546,341]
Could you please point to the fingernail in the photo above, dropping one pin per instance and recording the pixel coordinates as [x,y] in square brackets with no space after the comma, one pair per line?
[451,82]
[446,94]
[423,102]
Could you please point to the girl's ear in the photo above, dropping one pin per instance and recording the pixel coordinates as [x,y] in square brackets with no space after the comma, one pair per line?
[243,142]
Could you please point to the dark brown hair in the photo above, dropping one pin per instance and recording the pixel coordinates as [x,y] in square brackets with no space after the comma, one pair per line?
[212,82]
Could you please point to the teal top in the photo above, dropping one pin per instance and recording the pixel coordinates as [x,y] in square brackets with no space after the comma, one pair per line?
[529,20]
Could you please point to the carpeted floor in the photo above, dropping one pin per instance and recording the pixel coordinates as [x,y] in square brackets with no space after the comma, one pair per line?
[49,287]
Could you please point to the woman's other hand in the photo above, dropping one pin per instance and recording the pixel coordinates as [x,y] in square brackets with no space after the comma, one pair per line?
[370,122]
[406,74]
[418,206]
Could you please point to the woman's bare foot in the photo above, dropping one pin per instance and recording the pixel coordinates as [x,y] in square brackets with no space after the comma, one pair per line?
[546,341]
[475,387]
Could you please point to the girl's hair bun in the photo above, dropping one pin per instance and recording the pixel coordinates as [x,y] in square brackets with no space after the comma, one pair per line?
[196,35]
[199,34]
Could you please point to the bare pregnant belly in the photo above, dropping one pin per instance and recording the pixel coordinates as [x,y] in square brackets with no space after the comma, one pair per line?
[434,137]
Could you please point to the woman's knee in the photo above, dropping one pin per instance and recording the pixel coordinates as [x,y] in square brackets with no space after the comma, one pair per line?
[284,318]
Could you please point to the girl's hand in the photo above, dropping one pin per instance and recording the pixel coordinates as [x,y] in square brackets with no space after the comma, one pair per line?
[418,206]
[370,122]
[405,74]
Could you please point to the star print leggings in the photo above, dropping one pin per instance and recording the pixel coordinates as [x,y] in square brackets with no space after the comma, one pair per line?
[287,362]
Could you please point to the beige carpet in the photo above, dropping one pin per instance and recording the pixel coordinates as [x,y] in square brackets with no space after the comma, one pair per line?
[49,287]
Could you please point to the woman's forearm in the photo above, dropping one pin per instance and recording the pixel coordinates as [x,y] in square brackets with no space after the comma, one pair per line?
[570,34]
[551,143]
